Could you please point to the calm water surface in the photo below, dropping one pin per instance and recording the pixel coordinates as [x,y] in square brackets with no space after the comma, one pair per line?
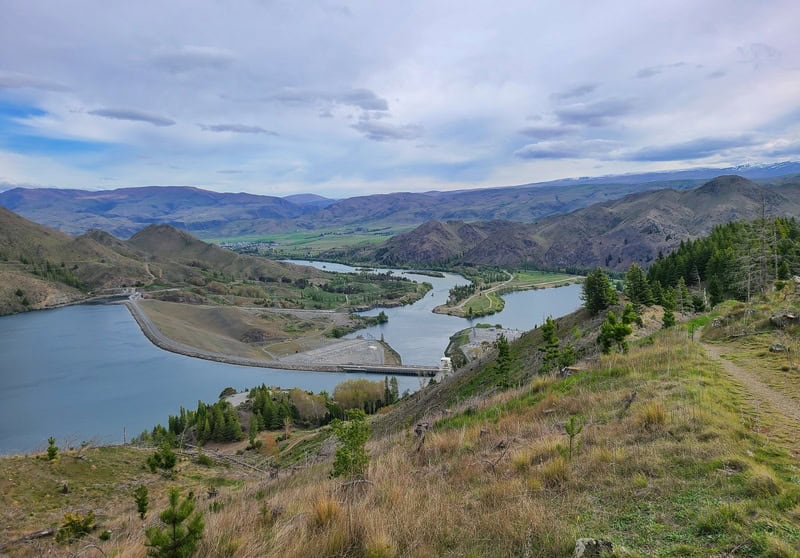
[87,372]
[420,336]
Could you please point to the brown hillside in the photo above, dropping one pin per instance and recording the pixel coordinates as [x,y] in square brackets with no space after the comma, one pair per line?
[612,234]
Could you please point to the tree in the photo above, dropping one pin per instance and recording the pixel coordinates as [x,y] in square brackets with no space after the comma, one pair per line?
[503,362]
[52,449]
[567,356]
[394,389]
[351,458]
[253,431]
[637,288]
[683,297]
[613,333]
[598,293]
[163,458]
[669,309]
[140,497]
[550,347]
[183,529]
[631,316]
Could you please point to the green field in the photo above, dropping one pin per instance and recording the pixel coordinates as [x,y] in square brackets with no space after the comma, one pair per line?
[312,243]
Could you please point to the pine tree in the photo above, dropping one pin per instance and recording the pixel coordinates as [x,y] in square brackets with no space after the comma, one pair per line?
[503,362]
[613,333]
[351,458]
[140,497]
[636,287]
[52,449]
[598,293]
[550,347]
[183,529]
[669,309]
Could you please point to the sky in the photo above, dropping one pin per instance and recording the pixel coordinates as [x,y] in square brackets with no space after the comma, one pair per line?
[351,98]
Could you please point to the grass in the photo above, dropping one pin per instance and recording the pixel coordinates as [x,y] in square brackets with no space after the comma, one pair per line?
[311,244]
[680,472]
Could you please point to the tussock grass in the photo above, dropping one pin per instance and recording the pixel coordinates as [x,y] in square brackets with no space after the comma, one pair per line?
[679,472]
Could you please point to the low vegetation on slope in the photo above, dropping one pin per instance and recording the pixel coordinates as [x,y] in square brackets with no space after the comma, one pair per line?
[664,460]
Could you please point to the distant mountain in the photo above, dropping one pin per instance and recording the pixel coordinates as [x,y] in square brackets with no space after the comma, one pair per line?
[216,215]
[612,234]
[309,200]
[124,211]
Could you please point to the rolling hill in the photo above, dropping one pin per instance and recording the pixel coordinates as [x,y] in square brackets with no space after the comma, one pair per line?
[612,234]
[50,267]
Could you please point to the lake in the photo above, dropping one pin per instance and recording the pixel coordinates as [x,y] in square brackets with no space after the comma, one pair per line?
[87,372]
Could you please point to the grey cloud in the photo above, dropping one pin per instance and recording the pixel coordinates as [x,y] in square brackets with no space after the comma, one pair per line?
[542,133]
[717,74]
[383,131]
[651,71]
[361,98]
[236,129]
[693,149]
[566,150]
[190,58]
[758,54]
[133,115]
[229,171]
[19,81]
[598,113]
[577,91]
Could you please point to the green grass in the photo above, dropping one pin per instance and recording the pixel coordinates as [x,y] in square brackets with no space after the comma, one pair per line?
[306,244]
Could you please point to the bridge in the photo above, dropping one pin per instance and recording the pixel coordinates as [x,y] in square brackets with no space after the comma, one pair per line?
[399,369]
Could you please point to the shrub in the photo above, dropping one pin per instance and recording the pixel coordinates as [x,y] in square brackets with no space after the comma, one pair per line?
[177,539]
[52,449]
[163,458]
[351,456]
[140,497]
[75,526]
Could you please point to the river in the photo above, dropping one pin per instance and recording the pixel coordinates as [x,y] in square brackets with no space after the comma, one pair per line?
[420,336]
[87,372]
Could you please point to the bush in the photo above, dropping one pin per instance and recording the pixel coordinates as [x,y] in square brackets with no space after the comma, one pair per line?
[177,539]
[163,458]
[351,456]
[52,449]
[75,526]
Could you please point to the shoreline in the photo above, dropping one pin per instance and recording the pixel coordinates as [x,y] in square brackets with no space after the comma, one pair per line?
[501,290]
[161,341]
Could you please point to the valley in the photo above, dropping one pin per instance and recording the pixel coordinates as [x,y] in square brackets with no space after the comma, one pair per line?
[663,409]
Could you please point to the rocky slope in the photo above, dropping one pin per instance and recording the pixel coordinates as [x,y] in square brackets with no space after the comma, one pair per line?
[612,234]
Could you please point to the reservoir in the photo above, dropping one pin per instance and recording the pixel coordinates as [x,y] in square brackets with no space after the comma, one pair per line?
[87,372]
[420,336]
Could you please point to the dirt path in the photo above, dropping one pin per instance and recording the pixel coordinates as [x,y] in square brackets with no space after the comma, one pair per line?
[785,405]
[781,409]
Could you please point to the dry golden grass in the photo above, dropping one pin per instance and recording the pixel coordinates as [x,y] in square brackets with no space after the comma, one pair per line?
[495,480]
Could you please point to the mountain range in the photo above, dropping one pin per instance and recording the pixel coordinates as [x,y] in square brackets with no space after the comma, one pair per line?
[207,214]
[613,234]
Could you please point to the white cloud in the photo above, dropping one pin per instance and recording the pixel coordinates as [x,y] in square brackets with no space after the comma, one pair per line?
[299,93]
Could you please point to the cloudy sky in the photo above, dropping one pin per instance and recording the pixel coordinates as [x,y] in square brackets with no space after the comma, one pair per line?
[279,97]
